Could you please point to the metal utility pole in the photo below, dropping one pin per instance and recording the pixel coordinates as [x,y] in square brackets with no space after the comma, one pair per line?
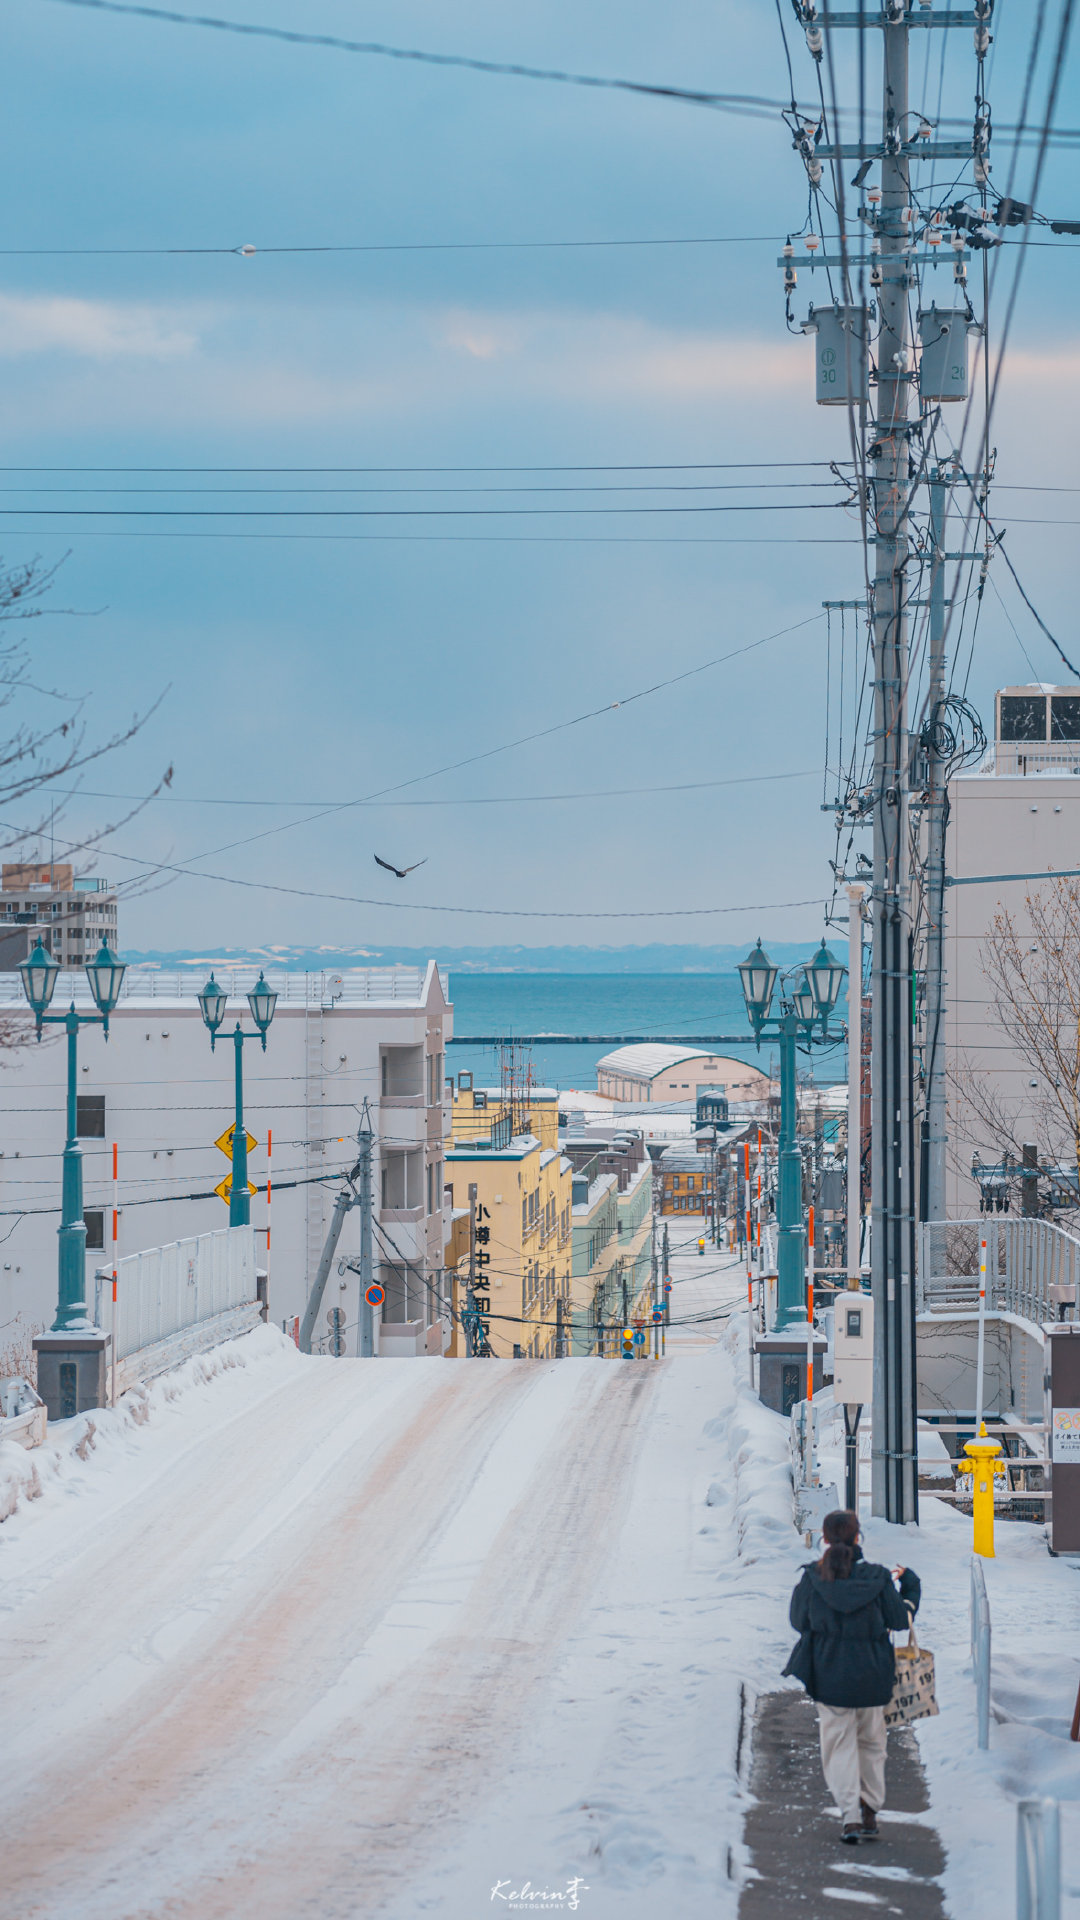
[854,1120]
[932,1168]
[365,1338]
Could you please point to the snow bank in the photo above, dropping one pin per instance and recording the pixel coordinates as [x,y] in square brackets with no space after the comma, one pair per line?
[75,1450]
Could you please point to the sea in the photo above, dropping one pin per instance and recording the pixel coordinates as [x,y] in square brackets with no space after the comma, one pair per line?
[682,1008]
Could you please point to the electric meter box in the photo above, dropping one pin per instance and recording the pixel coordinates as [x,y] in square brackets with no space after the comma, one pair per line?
[841,354]
[944,369]
[853,1349]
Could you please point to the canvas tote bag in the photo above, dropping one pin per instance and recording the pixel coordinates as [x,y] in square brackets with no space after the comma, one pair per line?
[913,1696]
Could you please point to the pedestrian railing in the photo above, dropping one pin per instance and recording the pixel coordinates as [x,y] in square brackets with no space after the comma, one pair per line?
[166,1290]
[1038,1860]
[980,1650]
[1032,1266]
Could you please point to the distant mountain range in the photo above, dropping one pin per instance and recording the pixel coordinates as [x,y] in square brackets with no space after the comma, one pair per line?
[654,958]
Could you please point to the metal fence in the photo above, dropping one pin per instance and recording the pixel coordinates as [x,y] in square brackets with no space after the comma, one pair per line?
[352,985]
[168,1289]
[1032,1266]
[1038,1860]
[980,1650]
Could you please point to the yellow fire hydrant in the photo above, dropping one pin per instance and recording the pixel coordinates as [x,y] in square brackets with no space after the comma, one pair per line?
[984,1466]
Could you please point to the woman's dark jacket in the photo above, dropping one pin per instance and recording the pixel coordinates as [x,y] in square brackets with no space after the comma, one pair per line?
[845,1657]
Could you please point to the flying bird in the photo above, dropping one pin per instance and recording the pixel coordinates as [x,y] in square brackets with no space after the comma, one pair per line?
[400,871]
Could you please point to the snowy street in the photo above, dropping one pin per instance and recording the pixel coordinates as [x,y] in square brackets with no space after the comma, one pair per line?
[333,1638]
[289,1636]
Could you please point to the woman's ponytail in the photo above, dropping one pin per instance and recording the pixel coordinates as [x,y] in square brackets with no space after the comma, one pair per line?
[841,1531]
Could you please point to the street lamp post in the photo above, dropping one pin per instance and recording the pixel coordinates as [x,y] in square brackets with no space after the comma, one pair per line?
[262,1002]
[105,974]
[808,995]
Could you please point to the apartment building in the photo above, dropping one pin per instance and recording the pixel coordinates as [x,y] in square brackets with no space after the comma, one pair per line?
[1016,812]
[157,1091]
[477,1110]
[525,1190]
[612,1229]
[72,915]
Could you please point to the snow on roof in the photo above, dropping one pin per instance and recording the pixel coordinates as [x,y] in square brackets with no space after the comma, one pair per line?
[650,1058]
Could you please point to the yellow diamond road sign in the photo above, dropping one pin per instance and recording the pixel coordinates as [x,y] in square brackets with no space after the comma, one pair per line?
[225,1140]
[224,1188]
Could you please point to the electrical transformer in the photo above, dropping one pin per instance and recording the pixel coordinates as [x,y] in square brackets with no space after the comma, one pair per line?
[853,1348]
[944,337]
[842,354]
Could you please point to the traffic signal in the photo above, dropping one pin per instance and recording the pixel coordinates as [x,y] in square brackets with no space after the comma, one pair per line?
[628,1343]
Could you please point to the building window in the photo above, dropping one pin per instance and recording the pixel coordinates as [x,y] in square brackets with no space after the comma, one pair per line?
[90,1116]
[95,1229]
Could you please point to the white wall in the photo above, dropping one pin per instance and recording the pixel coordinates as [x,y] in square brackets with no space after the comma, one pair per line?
[998,824]
[168,1098]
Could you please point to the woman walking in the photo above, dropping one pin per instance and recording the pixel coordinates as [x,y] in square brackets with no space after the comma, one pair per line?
[843,1610]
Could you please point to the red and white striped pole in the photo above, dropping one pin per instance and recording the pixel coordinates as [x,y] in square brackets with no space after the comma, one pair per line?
[269,1193]
[749,1264]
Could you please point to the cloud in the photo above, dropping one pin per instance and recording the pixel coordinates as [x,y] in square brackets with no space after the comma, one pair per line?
[89,329]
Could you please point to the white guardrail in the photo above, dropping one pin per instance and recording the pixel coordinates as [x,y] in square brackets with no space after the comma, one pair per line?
[1032,1266]
[167,1292]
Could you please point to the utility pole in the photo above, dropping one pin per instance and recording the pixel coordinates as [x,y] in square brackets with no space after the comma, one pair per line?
[855,895]
[894,1481]
[933,1142]
[365,1339]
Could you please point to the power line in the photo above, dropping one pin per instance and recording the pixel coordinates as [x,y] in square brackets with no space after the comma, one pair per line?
[492,800]
[747,105]
[741,103]
[529,739]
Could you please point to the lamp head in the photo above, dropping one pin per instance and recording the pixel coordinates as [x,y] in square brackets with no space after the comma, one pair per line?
[212,1004]
[758,976]
[262,1001]
[106,976]
[38,974]
[804,1003]
[825,976]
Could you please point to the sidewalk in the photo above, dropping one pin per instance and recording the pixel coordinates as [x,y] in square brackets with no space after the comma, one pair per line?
[791,1831]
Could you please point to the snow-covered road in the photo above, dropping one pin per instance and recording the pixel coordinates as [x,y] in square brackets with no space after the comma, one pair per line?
[333,1638]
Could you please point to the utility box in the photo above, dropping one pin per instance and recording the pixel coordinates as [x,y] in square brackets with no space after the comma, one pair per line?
[944,368]
[853,1348]
[782,1367]
[1063,1423]
[841,354]
[72,1372]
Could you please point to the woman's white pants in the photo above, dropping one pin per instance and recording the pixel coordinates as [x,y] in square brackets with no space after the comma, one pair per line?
[853,1757]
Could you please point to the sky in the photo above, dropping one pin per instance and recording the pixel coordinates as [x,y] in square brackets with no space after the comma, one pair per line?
[289,665]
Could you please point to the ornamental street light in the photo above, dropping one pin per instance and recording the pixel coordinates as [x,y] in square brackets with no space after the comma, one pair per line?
[807,995]
[105,974]
[262,1001]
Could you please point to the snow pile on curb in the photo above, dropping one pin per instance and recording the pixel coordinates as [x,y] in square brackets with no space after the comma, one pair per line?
[74,1448]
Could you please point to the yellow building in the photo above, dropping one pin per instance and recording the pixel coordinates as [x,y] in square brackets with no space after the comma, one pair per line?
[524,1194]
[477,1110]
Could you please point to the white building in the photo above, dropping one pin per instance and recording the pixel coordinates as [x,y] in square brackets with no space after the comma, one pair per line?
[157,1091]
[1018,812]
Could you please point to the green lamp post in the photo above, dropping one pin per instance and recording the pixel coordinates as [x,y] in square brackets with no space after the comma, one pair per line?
[262,1001]
[105,974]
[804,1001]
